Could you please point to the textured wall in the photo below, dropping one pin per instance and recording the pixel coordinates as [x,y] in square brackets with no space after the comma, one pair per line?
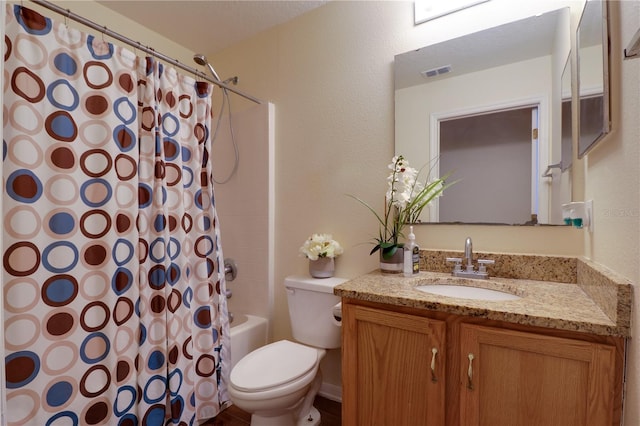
[330,75]
[612,180]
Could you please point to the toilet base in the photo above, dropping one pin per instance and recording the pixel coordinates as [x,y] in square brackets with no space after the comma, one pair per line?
[311,419]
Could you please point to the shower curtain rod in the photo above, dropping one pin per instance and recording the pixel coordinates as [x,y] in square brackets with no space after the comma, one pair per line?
[139,46]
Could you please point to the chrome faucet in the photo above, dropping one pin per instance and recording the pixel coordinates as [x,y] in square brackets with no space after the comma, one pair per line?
[468,253]
[469,271]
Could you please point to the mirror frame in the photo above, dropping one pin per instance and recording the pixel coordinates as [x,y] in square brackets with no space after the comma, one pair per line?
[566,129]
[585,147]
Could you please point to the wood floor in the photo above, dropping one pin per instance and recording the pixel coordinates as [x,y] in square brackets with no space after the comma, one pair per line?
[233,416]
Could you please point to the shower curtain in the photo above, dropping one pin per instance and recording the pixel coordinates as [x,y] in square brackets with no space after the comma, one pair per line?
[113,272]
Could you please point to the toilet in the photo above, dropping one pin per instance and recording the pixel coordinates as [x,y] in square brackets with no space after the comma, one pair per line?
[278,383]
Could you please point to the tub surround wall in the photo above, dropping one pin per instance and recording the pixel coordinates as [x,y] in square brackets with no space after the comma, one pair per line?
[243,205]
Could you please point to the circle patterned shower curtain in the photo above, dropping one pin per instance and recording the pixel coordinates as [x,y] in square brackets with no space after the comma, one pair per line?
[113,271]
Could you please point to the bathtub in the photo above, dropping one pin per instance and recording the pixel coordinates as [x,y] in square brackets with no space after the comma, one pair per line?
[248,332]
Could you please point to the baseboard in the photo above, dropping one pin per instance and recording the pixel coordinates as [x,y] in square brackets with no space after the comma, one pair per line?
[331,391]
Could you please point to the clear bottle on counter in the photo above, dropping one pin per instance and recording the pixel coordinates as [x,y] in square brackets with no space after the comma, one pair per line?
[411,265]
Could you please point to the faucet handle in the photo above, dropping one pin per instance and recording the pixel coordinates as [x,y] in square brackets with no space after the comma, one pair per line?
[483,264]
[458,263]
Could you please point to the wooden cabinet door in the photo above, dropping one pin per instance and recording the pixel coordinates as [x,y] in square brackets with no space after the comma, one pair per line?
[393,368]
[519,378]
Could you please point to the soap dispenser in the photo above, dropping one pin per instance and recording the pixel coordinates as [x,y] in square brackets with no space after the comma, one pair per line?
[411,253]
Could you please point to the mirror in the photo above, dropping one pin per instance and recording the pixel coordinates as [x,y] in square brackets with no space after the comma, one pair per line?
[593,75]
[567,123]
[511,67]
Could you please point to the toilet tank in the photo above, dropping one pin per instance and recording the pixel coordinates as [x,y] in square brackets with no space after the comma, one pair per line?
[311,303]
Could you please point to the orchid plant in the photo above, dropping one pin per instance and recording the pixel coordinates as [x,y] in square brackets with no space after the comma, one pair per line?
[405,199]
[319,246]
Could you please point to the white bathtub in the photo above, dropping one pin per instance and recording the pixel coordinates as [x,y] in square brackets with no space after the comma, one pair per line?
[248,332]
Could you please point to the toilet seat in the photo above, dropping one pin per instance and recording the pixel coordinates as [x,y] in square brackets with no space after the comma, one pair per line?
[273,366]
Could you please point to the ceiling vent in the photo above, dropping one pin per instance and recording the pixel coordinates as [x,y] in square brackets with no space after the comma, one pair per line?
[434,72]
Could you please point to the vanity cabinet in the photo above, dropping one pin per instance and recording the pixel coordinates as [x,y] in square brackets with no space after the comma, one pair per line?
[393,368]
[515,378]
[485,373]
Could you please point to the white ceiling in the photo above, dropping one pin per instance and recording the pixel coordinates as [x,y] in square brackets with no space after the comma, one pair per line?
[208,26]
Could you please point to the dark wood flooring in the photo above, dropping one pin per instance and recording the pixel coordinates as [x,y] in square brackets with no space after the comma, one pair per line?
[330,415]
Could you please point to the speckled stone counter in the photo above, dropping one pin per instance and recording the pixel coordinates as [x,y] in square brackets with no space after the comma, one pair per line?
[565,306]
[520,266]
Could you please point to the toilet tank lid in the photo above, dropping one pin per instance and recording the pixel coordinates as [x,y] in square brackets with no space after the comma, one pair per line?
[324,285]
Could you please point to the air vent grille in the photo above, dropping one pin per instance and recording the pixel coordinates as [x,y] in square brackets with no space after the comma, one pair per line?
[434,72]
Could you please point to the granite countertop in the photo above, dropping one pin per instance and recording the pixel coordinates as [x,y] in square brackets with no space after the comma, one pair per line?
[564,306]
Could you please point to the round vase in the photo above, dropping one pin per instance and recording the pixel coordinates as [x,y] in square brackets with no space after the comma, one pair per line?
[323,267]
[393,264]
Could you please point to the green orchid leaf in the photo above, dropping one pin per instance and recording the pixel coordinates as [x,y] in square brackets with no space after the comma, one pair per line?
[389,251]
[405,199]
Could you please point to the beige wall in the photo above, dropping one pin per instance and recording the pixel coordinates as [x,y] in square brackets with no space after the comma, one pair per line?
[118,23]
[612,180]
[330,75]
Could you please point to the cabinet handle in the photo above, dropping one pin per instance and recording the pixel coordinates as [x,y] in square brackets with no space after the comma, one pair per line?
[470,372]
[434,352]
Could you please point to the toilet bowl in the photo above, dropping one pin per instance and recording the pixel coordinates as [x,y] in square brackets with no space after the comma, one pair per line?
[272,382]
[277,383]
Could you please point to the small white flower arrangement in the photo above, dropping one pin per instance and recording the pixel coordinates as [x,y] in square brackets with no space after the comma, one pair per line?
[321,245]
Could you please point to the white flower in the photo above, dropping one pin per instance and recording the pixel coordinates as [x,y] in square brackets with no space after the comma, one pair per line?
[402,183]
[320,245]
[405,199]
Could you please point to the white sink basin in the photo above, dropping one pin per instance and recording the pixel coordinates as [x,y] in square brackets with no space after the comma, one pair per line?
[466,292]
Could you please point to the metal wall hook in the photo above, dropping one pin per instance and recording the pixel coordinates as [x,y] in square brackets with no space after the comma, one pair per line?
[548,173]
[233,80]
